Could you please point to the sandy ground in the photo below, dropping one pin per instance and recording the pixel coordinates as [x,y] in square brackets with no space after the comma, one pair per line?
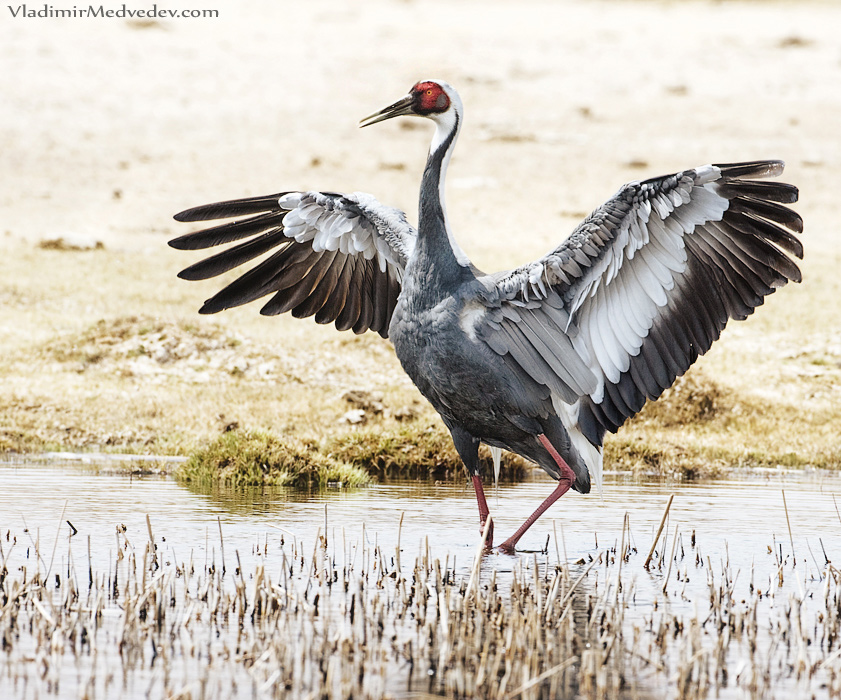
[109,126]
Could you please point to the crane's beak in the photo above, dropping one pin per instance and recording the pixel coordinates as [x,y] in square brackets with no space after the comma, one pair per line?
[402,107]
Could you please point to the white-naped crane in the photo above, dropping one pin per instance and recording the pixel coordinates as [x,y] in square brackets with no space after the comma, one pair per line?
[541,360]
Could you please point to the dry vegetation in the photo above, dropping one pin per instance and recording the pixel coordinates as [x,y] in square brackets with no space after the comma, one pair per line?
[100,346]
[344,619]
[164,383]
[703,428]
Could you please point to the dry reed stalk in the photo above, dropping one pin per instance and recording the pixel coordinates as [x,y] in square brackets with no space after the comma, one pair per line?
[659,531]
[788,523]
[313,623]
[671,559]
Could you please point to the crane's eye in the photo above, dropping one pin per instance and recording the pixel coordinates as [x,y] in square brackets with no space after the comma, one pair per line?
[429,92]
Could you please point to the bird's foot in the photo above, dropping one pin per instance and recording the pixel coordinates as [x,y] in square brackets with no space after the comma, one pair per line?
[507,547]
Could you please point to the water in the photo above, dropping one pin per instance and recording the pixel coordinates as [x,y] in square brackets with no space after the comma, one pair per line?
[738,525]
[745,513]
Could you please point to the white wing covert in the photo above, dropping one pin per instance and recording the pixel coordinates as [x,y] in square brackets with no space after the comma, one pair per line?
[645,285]
[339,257]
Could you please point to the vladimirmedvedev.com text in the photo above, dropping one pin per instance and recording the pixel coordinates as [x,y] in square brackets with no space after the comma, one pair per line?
[100,11]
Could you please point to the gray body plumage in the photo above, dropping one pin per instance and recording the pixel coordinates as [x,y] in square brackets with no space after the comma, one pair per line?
[479,396]
[569,346]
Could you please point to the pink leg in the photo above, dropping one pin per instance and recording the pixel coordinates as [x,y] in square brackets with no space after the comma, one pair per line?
[564,484]
[484,511]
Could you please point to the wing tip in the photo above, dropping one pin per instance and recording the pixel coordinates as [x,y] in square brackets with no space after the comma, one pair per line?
[180,243]
[208,308]
[752,168]
[246,206]
[204,212]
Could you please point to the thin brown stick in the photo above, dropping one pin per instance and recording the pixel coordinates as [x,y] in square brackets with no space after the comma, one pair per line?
[671,559]
[477,561]
[790,537]
[221,543]
[659,531]
[542,677]
[55,543]
[399,535]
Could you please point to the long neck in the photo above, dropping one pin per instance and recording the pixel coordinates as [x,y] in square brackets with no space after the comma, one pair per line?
[437,251]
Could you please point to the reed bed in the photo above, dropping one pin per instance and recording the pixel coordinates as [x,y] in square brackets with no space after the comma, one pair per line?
[341,618]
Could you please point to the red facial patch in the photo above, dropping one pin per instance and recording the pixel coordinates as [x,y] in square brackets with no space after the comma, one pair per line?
[430,97]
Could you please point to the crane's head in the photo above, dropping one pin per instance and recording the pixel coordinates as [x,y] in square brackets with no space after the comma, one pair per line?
[428,98]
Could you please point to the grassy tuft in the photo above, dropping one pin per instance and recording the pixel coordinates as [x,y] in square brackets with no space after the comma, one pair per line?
[700,428]
[663,457]
[415,451]
[126,338]
[249,457]
[246,457]
[693,399]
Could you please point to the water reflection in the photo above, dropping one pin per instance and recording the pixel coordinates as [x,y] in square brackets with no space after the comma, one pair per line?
[745,514]
[735,507]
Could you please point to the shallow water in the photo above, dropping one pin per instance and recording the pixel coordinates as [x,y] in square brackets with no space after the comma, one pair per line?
[747,514]
[738,525]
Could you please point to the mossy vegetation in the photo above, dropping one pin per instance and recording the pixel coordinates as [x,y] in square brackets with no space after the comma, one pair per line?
[697,429]
[251,457]
[415,451]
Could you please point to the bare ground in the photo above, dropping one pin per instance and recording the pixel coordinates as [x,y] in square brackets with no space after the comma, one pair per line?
[111,126]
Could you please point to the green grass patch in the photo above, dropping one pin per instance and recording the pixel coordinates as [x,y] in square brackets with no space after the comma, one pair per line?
[246,458]
[250,457]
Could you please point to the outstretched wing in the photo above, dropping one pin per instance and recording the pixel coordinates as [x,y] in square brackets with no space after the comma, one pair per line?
[645,285]
[339,257]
